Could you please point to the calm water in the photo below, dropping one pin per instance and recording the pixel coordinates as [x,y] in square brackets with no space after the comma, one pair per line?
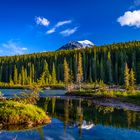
[78,119]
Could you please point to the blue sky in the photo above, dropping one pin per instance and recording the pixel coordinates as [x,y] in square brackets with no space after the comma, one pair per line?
[28,26]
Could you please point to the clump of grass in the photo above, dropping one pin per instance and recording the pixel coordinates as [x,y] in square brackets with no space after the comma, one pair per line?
[16,113]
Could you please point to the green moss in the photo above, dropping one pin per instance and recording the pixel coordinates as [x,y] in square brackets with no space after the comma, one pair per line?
[12,112]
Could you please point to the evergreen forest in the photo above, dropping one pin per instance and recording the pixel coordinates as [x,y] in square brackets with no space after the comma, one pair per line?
[105,63]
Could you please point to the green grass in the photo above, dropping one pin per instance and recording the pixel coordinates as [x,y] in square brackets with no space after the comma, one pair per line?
[52,86]
[15,113]
[125,96]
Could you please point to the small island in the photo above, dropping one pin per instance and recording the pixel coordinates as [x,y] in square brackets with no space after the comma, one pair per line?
[22,112]
[13,113]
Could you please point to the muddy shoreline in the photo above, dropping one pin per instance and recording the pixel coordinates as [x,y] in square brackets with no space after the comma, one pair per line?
[116,103]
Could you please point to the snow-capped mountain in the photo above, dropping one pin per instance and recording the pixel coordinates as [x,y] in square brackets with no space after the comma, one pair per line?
[86,43]
[77,45]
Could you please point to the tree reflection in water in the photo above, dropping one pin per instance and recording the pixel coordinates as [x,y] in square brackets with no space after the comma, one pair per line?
[84,114]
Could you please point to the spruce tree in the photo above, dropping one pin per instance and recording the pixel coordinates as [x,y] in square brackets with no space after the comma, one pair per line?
[109,66]
[31,74]
[15,75]
[79,71]
[0,73]
[66,73]
[132,79]
[11,81]
[101,70]
[126,77]
[20,79]
[26,82]
[22,76]
[42,79]
[102,62]
[47,73]
[53,75]
[95,66]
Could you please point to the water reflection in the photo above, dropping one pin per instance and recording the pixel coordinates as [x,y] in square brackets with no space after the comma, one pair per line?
[79,112]
[80,119]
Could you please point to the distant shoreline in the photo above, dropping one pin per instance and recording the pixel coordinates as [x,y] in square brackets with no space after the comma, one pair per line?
[122,96]
[30,87]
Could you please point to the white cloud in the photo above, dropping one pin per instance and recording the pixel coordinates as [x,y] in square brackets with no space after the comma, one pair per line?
[61,23]
[42,21]
[45,22]
[130,19]
[69,32]
[12,48]
[51,31]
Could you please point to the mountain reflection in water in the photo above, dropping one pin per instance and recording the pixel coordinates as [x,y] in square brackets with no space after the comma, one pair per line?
[80,119]
[84,112]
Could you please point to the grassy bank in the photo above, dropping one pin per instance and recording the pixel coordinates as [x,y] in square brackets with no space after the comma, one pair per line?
[52,86]
[125,96]
[15,113]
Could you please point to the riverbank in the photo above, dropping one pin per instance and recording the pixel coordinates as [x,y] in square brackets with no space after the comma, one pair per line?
[122,96]
[56,86]
[117,103]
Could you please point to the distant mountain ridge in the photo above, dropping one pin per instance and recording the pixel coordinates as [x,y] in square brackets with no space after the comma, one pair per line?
[77,45]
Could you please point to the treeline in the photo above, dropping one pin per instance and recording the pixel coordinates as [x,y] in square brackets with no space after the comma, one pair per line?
[105,63]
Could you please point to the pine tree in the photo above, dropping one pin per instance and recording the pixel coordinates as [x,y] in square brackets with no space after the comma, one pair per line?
[79,71]
[102,62]
[42,79]
[22,76]
[20,79]
[71,77]
[95,66]
[31,74]
[116,73]
[66,73]
[53,75]
[26,82]
[0,73]
[116,69]
[109,68]
[90,70]
[11,81]
[50,79]
[84,66]
[126,77]
[47,73]
[15,75]
[132,79]
[75,66]
[101,70]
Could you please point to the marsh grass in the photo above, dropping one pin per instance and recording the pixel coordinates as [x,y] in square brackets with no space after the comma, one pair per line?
[12,112]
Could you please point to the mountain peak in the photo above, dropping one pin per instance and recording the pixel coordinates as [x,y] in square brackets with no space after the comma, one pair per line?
[77,45]
[86,43]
